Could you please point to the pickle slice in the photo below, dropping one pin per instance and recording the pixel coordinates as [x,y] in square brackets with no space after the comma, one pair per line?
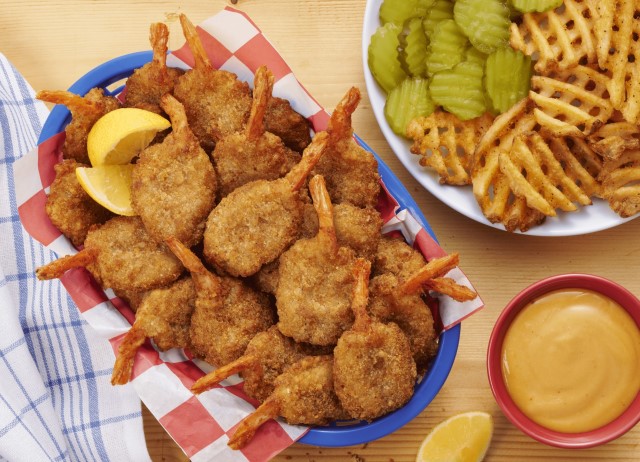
[441,10]
[485,22]
[414,49]
[447,47]
[540,6]
[383,56]
[460,90]
[407,101]
[507,78]
[399,11]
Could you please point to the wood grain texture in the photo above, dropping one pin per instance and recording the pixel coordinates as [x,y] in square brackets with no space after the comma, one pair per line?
[54,42]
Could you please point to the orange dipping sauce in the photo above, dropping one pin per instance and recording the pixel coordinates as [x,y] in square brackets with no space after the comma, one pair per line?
[571,360]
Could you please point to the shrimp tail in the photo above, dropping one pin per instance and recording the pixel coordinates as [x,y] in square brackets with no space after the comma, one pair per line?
[159,39]
[75,103]
[340,123]
[126,354]
[261,96]
[449,287]
[434,269]
[214,377]
[176,112]
[203,279]
[57,268]
[195,44]
[324,209]
[310,157]
[268,410]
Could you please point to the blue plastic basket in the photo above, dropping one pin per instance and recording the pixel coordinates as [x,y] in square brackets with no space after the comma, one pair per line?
[333,435]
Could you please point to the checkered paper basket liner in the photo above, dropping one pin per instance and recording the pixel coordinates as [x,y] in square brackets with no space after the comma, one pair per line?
[201,424]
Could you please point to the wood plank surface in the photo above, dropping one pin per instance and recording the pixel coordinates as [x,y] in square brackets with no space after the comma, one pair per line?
[54,42]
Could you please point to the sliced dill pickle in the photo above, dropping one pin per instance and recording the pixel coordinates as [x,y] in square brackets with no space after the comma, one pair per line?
[399,11]
[414,51]
[446,48]
[441,10]
[383,56]
[407,101]
[485,22]
[540,6]
[460,90]
[507,78]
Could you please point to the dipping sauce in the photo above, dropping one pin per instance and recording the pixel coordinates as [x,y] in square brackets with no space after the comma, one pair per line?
[571,360]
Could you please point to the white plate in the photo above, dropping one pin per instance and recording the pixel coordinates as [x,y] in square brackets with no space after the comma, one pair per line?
[588,219]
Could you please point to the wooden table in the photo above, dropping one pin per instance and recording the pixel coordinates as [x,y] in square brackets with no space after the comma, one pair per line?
[52,43]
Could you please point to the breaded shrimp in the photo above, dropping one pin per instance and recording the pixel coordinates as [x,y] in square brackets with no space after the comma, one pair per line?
[173,183]
[121,255]
[397,257]
[253,154]
[69,206]
[374,371]
[287,124]
[216,102]
[398,300]
[315,283]
[254,224]
[351,172]
[146,86]
[85,111]
[227,314]
[303,394]
[165,316]
[267,356]
[356,228]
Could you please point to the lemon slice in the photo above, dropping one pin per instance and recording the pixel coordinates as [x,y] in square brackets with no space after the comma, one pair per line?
[109,186]
[461,438]
[118,136]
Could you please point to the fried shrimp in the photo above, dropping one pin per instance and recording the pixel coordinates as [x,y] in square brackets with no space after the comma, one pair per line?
[173,183]
[397,257]
[253,154]
[254,224]
[292,128]
[121,255]
[398,300]
[374,370]
[267,356]
[149,83]
[315,283]
[85,111]
[216,102]
[163,315]
[69,206]
[351,172]
[303,395]
[227,314]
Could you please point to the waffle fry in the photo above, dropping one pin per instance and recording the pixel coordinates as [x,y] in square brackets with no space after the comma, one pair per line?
[571,102]
[490,186]
[614,138]
[561,38]
[446,144]
[535,174]
[621,183]
[579,161]
[620,45]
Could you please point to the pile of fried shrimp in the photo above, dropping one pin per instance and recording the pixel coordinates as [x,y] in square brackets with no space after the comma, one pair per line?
[255,246]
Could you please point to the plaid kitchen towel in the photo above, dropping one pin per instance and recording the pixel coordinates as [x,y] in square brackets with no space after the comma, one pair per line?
[56,400]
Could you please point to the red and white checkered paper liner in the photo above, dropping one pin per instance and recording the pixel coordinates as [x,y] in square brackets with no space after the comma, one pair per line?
[200,425]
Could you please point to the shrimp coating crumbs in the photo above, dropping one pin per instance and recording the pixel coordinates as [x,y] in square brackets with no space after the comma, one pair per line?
[374,370]
[163,315]
[216,102]
[85,111]
[303,395]
[121,255]
[292,128]
[254,224]
[69,207]
[350,171]
[173,183]
[227,314]
[253,154]
[315,283]
[149,83]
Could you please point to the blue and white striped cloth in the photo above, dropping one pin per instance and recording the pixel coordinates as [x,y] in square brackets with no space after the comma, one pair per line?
[56,400]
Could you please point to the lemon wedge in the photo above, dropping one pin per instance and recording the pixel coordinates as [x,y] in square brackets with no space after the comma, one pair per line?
[109,186]
[461,438]
[118,136]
